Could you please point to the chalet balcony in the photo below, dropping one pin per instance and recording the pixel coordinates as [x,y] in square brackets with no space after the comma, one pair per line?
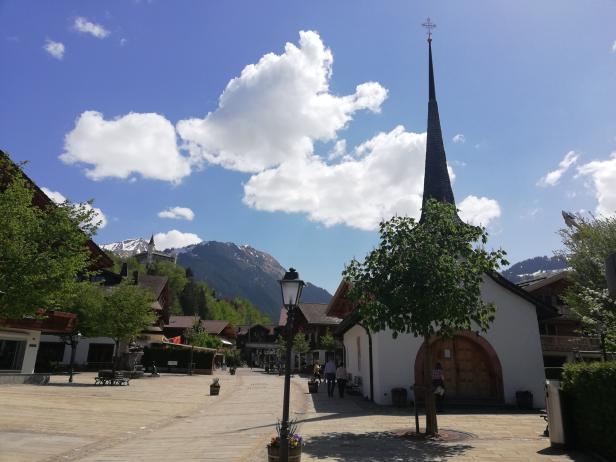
[569,343]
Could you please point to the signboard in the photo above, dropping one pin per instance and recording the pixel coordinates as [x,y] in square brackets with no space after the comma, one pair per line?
[172,363]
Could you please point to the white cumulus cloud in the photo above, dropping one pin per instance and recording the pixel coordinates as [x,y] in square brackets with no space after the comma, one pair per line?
[459,138]
[479,210]
[386,179]
[552,178]
[603,175]
[58,198]
[175,239]
[267,122]
[178,213]
[96,30]
[136,143]
[55,49]
[275,110]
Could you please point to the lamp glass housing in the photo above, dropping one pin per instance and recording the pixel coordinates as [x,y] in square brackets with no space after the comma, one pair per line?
[291,288]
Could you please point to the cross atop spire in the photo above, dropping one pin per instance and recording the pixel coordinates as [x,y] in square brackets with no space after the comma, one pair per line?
[437,184]
[429,25]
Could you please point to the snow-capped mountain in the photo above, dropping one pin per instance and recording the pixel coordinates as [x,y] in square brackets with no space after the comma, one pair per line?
[232,271]
[532,268]
[127,247]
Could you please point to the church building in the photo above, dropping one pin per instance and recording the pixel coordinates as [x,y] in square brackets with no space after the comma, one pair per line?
[487,368]
[152,255]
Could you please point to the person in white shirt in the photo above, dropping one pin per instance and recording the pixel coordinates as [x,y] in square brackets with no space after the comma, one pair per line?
[341,378]
[330,376]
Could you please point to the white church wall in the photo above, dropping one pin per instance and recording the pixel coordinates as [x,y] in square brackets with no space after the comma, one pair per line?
[514,335]
[356,343]
[394,362]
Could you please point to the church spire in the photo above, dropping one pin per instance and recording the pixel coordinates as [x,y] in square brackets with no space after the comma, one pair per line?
[436,179]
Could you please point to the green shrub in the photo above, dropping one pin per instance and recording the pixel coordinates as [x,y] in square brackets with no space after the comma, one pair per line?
[590,395]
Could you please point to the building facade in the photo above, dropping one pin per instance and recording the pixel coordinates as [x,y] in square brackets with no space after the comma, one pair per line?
[489,367]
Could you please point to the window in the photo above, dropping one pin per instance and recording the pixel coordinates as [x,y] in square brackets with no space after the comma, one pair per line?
[11,354]
[100,353]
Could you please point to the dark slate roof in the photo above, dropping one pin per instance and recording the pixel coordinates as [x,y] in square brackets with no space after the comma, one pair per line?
[315,313]
[182,322]
[437,184]
[214,327]
[155,252]
[244,328]
[155,283]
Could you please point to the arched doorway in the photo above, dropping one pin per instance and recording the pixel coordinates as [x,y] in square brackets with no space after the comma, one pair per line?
[471,367]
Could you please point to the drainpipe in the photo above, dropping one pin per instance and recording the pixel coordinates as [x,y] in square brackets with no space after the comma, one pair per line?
[370,361]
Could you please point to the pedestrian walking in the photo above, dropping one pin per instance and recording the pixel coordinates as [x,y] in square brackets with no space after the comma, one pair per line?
[341,378]
[316,371]
[330,377]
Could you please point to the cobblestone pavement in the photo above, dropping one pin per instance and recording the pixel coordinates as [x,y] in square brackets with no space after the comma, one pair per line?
[174,417]
[171,416]
[353,430]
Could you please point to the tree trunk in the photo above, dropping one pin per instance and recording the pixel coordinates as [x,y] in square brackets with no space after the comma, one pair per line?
[431,422]
[116,356]
[603,348]
[72,364]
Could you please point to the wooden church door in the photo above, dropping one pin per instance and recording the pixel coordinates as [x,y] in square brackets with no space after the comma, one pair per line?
[466,367]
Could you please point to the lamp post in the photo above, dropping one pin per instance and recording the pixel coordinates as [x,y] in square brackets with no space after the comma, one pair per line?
[74,340]
[291,286]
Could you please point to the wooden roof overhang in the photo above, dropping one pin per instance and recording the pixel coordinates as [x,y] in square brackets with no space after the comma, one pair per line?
[51,322]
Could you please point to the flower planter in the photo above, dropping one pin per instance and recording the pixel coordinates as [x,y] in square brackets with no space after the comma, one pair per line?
[273,454]
[313,387]
[214,390]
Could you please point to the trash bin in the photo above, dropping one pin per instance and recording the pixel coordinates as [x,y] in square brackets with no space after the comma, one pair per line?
[524,399]
[555,414]
[398,397]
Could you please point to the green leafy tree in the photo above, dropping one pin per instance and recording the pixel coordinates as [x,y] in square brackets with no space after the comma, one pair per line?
[587,244]
[425,279]
[197,336]
[127,311]
[232,358]
[300,343]
[328,341]
[87,302]
[43,250]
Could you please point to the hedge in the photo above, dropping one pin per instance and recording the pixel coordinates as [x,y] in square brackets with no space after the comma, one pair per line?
[589,390]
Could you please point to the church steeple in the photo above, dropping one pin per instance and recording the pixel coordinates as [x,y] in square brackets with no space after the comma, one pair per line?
[436,179]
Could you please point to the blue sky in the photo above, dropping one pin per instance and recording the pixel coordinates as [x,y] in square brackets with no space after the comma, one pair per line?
[310,146]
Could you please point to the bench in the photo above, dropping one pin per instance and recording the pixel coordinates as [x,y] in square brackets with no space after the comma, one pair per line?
[106,377]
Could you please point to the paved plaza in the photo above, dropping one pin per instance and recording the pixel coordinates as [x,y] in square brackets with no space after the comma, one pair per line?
[173,417]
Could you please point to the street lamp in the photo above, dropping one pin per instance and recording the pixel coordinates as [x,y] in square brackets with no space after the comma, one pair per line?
[291,287]
[73,343]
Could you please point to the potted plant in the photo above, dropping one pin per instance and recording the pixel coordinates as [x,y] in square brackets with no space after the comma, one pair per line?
[313,386]
[295,444]
[214,387]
